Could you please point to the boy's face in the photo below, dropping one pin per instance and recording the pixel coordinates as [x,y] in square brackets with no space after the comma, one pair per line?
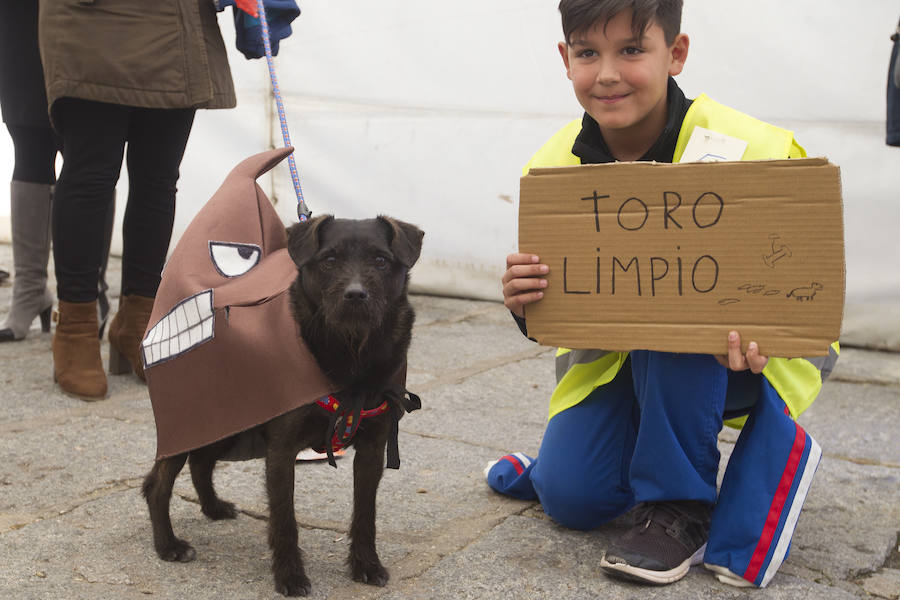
[621,81]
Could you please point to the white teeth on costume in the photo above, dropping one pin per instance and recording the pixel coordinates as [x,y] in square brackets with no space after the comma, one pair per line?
[187,325]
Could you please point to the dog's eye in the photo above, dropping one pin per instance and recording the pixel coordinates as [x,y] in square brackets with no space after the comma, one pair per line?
[328,262]
[232,259]
[381,262]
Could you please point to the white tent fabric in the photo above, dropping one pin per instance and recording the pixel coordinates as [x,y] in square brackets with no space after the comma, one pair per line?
[426,111]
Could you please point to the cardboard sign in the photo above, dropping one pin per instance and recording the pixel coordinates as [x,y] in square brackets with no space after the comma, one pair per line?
[671,257]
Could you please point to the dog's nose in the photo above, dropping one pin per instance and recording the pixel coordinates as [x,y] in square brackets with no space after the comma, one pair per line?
[355,291]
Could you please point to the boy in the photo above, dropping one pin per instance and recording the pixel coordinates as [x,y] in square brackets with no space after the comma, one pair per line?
[638,430]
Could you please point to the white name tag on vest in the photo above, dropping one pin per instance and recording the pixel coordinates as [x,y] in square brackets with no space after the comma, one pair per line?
[711,146]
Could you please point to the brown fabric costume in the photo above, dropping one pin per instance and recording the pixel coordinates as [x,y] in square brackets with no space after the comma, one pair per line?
[228,277]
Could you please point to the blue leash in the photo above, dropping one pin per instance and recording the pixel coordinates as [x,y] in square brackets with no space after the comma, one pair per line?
[303,212]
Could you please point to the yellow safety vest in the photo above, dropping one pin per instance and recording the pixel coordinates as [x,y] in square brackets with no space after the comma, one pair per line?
[580,372]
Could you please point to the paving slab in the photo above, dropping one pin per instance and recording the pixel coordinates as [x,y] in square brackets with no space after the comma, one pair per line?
[504,408]
[859,365]
[71,459]
[872,324]
[429,492]
[847,529]
[103,549]
[849,421]
[73,523]
[885,584]
[524,557]
[458,346]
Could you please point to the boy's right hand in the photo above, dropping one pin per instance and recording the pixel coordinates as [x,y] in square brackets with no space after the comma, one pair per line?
[522,282]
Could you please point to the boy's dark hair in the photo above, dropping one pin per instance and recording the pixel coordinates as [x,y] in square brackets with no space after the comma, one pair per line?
[582,15]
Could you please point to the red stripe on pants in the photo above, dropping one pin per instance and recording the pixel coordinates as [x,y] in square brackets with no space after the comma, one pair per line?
[781,494]
[515,463]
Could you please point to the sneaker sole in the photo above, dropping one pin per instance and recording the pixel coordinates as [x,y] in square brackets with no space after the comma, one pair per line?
[639,575]
[725,575]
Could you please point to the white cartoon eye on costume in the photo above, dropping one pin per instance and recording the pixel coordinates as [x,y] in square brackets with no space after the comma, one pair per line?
[190,322]
[232,259]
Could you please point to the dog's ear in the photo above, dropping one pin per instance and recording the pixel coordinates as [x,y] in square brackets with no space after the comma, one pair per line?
[303,239]
[406,240]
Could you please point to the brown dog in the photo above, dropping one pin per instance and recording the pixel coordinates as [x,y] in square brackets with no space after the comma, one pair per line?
[349,299]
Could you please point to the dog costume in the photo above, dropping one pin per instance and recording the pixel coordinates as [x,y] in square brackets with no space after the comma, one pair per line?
[222,352]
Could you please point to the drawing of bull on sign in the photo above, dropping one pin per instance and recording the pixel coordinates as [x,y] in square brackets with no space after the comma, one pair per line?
[803,294]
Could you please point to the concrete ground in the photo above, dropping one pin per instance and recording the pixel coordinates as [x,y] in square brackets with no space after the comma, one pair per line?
[73,524]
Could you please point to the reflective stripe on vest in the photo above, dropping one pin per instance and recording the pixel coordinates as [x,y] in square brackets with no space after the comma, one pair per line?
[557,151]
[579,372]
[825,364]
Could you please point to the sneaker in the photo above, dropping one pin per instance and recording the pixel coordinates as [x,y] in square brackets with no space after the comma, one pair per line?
[511,475]
[667,538]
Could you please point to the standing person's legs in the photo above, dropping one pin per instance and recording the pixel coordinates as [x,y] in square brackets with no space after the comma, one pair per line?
[102,285]
[93,138]
[580,474]
[763,490]
[34,149]
[31,191]
[156,143]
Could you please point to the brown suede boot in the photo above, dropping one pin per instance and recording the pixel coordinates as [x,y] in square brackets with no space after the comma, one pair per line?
[125,334]
[77,366]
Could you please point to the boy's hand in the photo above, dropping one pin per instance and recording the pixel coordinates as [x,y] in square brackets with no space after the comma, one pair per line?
[522,282]
[737,360]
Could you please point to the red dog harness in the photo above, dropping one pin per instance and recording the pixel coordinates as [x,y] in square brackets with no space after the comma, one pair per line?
[342,440]
[344,422]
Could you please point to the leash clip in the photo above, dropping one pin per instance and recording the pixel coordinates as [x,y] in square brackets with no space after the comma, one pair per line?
[303,212]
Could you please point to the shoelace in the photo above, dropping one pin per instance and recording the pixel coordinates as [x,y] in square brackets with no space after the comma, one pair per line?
[648,512]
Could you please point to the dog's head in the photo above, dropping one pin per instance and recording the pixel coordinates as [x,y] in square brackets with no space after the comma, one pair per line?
[353,271]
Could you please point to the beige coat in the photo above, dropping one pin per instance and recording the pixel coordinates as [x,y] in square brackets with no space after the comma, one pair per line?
[159,54]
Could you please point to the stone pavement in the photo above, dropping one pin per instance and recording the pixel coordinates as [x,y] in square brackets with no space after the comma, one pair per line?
[73,524]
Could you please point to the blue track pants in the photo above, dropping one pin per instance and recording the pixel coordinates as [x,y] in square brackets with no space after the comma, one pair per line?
[651,435]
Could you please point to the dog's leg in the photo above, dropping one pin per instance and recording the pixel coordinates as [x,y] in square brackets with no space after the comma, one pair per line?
[157,490]
[368,466]
[202,462]
[287,562]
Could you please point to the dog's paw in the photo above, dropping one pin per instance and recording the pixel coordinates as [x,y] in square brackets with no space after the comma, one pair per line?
[372,574]
[220,510]
[180,551]
[295,584]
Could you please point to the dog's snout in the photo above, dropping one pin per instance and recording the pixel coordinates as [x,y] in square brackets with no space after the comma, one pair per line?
[355,291]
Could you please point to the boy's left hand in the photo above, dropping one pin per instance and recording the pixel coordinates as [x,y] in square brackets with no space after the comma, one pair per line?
[737,360]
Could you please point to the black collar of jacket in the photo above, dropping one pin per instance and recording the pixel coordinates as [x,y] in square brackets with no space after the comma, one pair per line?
[591,148]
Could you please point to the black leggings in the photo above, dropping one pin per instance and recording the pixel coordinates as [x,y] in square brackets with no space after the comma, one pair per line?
[94,135]
[35,151]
